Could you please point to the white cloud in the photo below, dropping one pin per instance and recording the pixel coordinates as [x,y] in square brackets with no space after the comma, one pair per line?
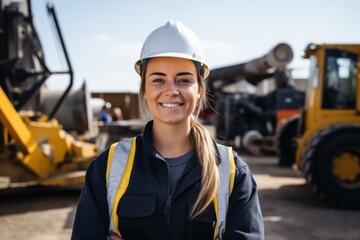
[128,50]
[216,44]
[102,37]
[96,40]
[221,53]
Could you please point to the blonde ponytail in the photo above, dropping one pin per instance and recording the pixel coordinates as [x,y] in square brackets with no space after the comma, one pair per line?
[206,152]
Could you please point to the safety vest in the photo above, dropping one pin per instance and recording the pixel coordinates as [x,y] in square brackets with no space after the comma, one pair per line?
[119,166]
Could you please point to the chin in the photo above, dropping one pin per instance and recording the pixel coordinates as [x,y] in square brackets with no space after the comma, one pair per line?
[173,120]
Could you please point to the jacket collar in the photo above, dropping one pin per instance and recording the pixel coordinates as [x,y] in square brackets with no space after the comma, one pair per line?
[147,140]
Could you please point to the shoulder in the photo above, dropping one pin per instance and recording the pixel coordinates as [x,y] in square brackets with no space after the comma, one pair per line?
[242,170]
[100,161]
[244,176]
[240,164]
[230,153]
[104,159]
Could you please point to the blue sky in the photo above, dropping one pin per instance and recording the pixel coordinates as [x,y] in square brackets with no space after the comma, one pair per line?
[104,38]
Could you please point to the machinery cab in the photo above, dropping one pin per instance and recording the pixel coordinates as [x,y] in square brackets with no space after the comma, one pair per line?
[332,90]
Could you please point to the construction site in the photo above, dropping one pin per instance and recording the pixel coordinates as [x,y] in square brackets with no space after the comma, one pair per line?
[299,136]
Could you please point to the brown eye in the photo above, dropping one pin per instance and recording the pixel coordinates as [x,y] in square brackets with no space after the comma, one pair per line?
[184,81]
[157,80]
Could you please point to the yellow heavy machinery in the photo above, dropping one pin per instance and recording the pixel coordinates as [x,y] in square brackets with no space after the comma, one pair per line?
[34,147]
[327,148]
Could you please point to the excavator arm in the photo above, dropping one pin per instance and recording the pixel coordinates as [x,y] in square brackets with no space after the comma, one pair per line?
[30,153]
[34,147]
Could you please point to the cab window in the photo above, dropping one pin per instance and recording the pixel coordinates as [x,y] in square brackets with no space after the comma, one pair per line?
[339,88]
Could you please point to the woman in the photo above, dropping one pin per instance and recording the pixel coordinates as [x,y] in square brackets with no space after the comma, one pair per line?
[175,165]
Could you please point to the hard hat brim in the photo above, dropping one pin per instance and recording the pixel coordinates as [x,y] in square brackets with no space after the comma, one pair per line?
[175,55]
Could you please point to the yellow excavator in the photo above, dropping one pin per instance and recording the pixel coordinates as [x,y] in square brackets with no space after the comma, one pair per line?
[35,149]
[325,141]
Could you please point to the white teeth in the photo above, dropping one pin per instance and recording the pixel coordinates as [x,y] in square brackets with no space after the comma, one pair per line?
[170,105]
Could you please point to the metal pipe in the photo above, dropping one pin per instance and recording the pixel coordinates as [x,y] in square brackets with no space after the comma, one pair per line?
[51,11]
[253,71]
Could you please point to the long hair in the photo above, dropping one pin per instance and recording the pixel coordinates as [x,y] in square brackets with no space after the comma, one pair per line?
[204,144]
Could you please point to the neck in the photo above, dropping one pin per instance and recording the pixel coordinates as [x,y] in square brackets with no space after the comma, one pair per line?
[171,140]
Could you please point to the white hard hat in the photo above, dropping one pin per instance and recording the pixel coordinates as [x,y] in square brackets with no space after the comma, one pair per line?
[173,40]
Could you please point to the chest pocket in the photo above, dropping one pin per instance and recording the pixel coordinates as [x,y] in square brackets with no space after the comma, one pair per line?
[137,216]
[202,226]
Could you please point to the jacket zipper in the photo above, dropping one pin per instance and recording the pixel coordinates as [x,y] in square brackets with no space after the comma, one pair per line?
[167,212]
[167,209]
[170,194]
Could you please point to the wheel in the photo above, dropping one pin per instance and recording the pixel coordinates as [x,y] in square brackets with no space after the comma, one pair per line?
[247,142]
[286,142]
[331,164]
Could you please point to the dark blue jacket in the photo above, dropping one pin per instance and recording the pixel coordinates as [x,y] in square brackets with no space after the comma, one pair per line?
[148,210]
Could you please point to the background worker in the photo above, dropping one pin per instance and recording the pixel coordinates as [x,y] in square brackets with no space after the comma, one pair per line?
[104,115]
[174,175]
[116,114]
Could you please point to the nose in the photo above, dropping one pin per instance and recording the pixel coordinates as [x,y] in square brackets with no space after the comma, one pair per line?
[171,89]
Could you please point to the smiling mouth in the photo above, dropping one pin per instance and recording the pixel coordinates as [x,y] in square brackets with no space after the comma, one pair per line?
[171,105]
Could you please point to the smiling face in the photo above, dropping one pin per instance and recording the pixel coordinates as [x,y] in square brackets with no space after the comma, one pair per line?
[171,89]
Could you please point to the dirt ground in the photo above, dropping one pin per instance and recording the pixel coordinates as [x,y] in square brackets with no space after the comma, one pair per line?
[290,209]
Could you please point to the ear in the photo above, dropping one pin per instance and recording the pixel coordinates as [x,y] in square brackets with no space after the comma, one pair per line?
[200,92]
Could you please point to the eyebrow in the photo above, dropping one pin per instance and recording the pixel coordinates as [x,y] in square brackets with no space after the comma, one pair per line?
[184,73]
[158,74]
[178,74]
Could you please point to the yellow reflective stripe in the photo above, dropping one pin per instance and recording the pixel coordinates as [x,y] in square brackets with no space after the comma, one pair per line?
[231,186]
[215,201]
[109,161]
[232,169]
[123,184]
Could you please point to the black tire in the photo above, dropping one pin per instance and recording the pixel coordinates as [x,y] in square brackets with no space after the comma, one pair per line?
[320,165]
[286,142]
